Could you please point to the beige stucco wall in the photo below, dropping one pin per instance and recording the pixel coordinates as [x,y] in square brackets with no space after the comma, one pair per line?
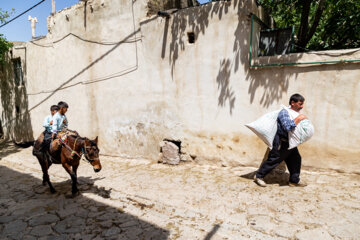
[152,84]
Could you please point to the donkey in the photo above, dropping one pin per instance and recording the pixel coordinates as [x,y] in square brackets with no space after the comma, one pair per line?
[69,156]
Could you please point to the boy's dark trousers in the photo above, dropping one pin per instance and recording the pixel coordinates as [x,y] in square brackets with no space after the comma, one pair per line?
[46,142]
[280,153]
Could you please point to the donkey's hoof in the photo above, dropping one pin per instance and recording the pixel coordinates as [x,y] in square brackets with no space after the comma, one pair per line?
[75,194]
[52,190]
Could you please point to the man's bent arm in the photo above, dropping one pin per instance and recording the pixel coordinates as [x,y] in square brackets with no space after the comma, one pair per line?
[285,120]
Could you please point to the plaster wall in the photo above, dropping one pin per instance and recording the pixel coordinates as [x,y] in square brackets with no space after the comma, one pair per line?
[134,80]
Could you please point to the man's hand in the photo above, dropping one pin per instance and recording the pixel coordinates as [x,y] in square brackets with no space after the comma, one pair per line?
[299,118]
[50,122]
[64,122]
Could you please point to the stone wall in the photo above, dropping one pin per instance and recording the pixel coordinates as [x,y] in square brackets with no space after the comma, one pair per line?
[135,80]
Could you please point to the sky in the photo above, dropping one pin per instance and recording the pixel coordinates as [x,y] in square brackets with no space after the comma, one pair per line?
[20,29]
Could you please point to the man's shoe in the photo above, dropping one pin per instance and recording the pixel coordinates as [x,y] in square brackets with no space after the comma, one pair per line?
[299,184]
[260,182]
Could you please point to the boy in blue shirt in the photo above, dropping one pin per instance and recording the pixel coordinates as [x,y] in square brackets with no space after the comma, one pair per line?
[59,120]
[59,124]
[47,124]
[45,137]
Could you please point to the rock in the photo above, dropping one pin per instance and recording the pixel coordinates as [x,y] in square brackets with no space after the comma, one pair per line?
[7,219]
[41,230]
[67,212]
[15,227]
[106,216]
[287,230]
[133,233]
[29,238]
[345,230]
[184,157]
[317,233]
[70,225]
[170,153]
[43,220]
[161,144]
[131,223]
[106,224]
[111,231]
[61,237]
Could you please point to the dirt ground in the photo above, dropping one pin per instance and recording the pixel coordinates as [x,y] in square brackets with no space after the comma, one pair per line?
[142,199]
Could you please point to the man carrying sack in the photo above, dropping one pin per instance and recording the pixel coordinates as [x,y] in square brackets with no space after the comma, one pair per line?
[280,146]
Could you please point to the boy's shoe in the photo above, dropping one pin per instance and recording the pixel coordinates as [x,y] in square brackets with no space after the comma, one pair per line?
[260,182]
[299,184]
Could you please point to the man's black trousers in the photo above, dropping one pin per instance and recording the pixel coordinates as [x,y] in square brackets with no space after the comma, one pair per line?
[281,153]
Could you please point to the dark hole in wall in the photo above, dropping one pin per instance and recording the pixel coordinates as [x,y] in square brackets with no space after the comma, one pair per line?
[18,75]
[177,143]
[1,130]
[191,37]
[17,110]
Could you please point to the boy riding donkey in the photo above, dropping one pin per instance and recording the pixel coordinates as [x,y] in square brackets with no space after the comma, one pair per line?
[55,125]
[59,128]
[43,141]
[67,148]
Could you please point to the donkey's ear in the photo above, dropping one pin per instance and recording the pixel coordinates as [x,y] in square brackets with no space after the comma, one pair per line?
[96,140]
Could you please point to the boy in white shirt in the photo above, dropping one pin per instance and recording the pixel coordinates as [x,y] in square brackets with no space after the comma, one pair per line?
[47,124]
[45,137]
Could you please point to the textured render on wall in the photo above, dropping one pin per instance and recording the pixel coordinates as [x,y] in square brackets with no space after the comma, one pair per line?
[145,82]
[15,118]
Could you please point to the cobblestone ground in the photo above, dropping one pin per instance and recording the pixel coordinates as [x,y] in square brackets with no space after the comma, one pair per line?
[140,199]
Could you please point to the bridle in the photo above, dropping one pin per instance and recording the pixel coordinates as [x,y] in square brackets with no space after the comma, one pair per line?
[83,151]
[86,154]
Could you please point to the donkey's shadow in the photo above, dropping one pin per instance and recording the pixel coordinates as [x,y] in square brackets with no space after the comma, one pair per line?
[85,185]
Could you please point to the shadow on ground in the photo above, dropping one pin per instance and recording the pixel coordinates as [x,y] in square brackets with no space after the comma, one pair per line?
[7,148]
[29,211]
[276,176]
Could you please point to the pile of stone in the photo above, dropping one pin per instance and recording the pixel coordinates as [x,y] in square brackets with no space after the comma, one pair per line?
[172,152]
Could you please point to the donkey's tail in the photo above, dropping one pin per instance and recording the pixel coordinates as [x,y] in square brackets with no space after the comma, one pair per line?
[24,144]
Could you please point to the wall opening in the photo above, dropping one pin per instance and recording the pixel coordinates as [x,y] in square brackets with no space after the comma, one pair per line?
[18,74]
[191,37]
[1,131]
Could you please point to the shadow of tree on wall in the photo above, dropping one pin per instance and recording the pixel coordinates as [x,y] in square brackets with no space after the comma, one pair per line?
[14,101]
[223,81]
[29,212]
[275,83]
[7,86]
[198,19]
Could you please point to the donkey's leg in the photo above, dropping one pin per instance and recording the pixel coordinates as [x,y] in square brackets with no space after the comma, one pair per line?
[74,180]
[44,163]
[73,176]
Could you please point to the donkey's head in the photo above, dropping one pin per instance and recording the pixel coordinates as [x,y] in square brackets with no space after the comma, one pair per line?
[91,153]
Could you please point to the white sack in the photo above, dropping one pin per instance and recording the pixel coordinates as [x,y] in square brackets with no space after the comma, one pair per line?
[265,127]
[303,131]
